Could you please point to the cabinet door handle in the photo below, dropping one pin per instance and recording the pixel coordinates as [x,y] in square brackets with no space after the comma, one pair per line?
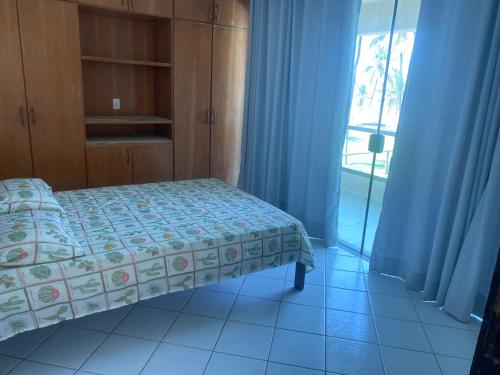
[213,116]
[21,115]
[132,5]
[33,118]
[217,12]
[209,117]
[211,11]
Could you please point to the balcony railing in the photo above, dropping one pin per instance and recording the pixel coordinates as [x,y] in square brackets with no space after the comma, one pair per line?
[357,159]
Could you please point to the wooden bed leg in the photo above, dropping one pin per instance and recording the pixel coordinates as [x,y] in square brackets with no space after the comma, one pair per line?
[300,275]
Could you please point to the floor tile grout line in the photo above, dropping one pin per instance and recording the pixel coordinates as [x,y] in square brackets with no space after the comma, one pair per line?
[280,301]
[366,290]
[427,337]
[276,320]
[376,329]
[107,336]
[243,356]
[59,328]
[158,343]
[33,350]
[177,312]
[304,304]
[42,363]
[167,331]
[441,325]
[223,326]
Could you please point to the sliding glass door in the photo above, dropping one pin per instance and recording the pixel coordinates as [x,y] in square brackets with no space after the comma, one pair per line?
[386,33]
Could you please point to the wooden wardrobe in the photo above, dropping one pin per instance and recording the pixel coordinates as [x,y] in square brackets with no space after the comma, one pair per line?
[110,92]
[210,39]
[41,108]
[127,57]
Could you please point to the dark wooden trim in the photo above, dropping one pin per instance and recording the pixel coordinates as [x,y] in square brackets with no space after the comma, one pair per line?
[487,356]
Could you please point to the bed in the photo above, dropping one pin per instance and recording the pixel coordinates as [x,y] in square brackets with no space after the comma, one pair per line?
[146,240]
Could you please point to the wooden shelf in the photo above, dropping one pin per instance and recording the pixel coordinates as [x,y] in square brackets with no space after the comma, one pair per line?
[126,120]
[111,60]
[128,140]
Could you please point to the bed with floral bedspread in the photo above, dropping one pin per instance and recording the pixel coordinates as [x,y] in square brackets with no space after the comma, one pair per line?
[146,240]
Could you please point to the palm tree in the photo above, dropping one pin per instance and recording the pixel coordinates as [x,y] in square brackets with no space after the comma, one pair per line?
[396,78]
[377,69]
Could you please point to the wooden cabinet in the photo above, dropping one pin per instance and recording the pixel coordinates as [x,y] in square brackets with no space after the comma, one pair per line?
[15,150]
[192,78]
[220,12]
[231,13]
[122,164]
[152,163]
[109,166]
[209,81]
[228,82]
[111,4]
[159,8]
[51,59]
[127,58]
[194,10]
[88,94]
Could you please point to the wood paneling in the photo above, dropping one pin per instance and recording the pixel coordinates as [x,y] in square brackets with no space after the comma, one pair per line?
[51,56]
[194,10]
[228,82]
[121,164]
[163,93]
[112,4]
[117,37]
[231,13]
[133,85]
[192,74]
[158,8]
[109,165]
[15,150]
[152,163]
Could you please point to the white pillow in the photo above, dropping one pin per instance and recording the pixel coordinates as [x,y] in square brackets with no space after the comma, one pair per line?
[24,194]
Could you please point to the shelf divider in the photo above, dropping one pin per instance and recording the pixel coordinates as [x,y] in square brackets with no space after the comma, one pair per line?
[96,141]
[126,120]
[112,60]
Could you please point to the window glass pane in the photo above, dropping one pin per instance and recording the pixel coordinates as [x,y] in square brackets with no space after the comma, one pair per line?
[369,65]
[369,71]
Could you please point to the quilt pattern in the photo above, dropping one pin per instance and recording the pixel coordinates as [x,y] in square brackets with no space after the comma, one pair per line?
[38,236]
[147,240]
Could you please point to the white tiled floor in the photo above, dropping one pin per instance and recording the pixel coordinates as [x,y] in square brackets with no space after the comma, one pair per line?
[346,321]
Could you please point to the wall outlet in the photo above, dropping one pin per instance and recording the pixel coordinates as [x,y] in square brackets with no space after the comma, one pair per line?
[116,103]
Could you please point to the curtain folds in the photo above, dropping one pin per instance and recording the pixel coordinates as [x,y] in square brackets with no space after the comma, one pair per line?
[297,104]
[440,223]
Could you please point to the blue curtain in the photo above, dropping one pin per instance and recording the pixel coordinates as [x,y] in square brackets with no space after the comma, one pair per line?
[440,223]
[297,103]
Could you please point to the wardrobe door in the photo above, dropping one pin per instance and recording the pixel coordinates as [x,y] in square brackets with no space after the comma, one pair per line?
[160,8]
[228,86]
[112,4]
[231,13]
[192,61]
[15,151]
[109,165]
[51,56]
[194,10]
[152,163]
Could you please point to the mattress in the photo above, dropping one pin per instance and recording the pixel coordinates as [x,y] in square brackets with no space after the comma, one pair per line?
[147,240]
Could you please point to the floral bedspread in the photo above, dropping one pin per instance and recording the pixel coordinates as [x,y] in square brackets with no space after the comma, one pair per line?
[147,240]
